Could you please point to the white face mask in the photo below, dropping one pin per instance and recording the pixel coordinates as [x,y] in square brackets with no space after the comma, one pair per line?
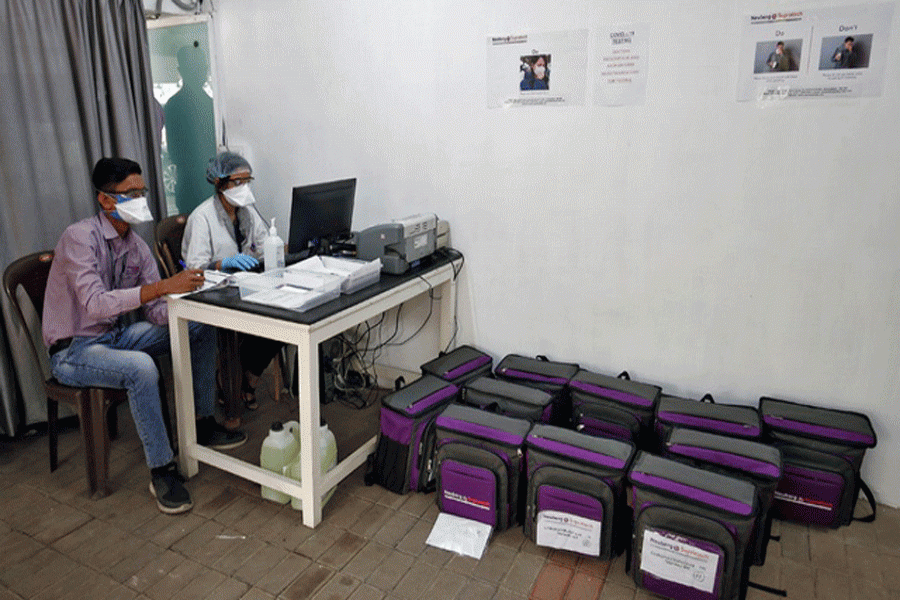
[132,210]
[239,196]
[539,72]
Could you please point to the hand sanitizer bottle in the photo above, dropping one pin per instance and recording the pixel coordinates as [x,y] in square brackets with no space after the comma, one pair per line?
[273,249]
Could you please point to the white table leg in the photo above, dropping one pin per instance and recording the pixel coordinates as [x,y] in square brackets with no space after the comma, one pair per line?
[185,411]
[310,471]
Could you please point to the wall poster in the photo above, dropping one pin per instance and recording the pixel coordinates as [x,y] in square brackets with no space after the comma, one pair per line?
[537,69]
[622,54]
[836,52]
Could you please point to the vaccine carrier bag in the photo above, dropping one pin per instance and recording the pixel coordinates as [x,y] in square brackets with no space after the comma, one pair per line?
[459,366]
[478,465]
[691,531]
[822,450]
[753,461]
[551,376]
[705,415]
[405,448]
[507,398]
[575,496]
[615,407]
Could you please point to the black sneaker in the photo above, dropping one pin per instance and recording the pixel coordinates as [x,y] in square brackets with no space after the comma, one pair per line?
[167,486]
[212,435]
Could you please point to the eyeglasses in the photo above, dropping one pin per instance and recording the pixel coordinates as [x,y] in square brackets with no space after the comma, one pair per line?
[135,193]
[236,181]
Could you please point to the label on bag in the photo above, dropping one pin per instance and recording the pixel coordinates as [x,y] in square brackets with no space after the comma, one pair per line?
[675,559]
[808,502]
[568,532]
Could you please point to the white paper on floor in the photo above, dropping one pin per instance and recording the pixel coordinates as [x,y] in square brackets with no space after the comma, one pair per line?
[456,534]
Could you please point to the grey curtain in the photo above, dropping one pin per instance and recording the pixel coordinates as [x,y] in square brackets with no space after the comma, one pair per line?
[75,86]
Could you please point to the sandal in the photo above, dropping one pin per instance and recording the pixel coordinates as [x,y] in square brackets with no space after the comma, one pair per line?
[249,395]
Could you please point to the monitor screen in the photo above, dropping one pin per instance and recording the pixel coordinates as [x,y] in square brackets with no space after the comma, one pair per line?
[321,212]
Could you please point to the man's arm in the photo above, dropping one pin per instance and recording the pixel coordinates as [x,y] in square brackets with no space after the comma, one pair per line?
[153,288]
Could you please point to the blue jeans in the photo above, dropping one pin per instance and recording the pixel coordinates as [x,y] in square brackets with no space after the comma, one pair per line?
[123,358]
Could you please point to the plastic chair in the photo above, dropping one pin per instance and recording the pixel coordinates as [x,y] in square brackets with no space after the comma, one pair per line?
[169,233]
[168,236]
[92,405]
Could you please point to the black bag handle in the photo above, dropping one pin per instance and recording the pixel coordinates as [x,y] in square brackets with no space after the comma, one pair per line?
[767,589]
[707,397]
[370,477]
[870,498]
[492,407]
[399,383]
[624,375]
[542,357]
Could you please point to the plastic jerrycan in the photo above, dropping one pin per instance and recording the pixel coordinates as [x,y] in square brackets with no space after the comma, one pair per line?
[280,448]
[328,454]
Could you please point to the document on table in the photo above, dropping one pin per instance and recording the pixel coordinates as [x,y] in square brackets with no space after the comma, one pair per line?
[284,296]
[211,279]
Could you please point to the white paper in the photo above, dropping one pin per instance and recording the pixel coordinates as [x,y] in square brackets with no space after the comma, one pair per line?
[811,38]
[509,69]
[211,279]
[669,558]
[284,296]
[621,65]
[568,532]
[310,280]
[459,535]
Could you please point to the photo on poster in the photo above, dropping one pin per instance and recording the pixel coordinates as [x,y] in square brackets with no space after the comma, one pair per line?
[778,56]
[845,52]
[535,72]
[537,69]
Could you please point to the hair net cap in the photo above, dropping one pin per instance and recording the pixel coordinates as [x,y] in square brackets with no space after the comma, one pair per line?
[224,164]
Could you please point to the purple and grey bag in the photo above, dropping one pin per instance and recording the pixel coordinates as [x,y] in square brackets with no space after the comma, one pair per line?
[405,449]
[478,465]
[508,398]
[692,529]
[758,463]
[551,376]
[576,491]
[724,419]
[822,450]
[615,407]
[460,365]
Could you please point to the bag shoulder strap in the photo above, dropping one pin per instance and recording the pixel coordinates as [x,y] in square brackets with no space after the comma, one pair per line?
[870,498]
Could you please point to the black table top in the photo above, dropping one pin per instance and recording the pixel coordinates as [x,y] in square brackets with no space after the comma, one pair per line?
[230,297]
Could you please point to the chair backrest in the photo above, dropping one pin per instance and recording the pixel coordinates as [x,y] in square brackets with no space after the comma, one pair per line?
[169,232]
[31,273]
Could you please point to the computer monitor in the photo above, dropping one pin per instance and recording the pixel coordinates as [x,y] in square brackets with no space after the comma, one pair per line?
[321,212]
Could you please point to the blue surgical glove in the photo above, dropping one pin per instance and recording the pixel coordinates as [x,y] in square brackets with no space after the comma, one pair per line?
[239,262]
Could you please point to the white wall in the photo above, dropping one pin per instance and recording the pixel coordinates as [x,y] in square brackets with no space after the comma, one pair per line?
[703,244]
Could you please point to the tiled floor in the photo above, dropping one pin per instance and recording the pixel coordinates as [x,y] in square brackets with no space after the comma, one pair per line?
[56,543]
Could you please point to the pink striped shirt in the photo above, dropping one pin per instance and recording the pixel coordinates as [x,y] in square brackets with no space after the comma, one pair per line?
[95,277]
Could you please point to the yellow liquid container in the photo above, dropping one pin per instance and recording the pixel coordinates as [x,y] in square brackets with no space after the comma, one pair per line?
[328,454]
[280,448]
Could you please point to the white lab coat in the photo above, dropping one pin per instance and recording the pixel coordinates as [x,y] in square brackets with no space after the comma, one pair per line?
[209,234]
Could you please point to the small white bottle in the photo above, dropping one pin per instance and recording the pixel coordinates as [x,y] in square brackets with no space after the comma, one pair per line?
[273,249]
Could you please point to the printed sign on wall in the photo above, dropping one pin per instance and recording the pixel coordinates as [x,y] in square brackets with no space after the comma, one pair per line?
[537,69]
[837,52]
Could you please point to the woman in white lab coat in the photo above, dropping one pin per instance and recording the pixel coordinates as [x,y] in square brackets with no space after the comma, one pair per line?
[226,232]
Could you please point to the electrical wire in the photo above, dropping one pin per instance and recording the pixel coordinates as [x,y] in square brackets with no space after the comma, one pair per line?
[359,353]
